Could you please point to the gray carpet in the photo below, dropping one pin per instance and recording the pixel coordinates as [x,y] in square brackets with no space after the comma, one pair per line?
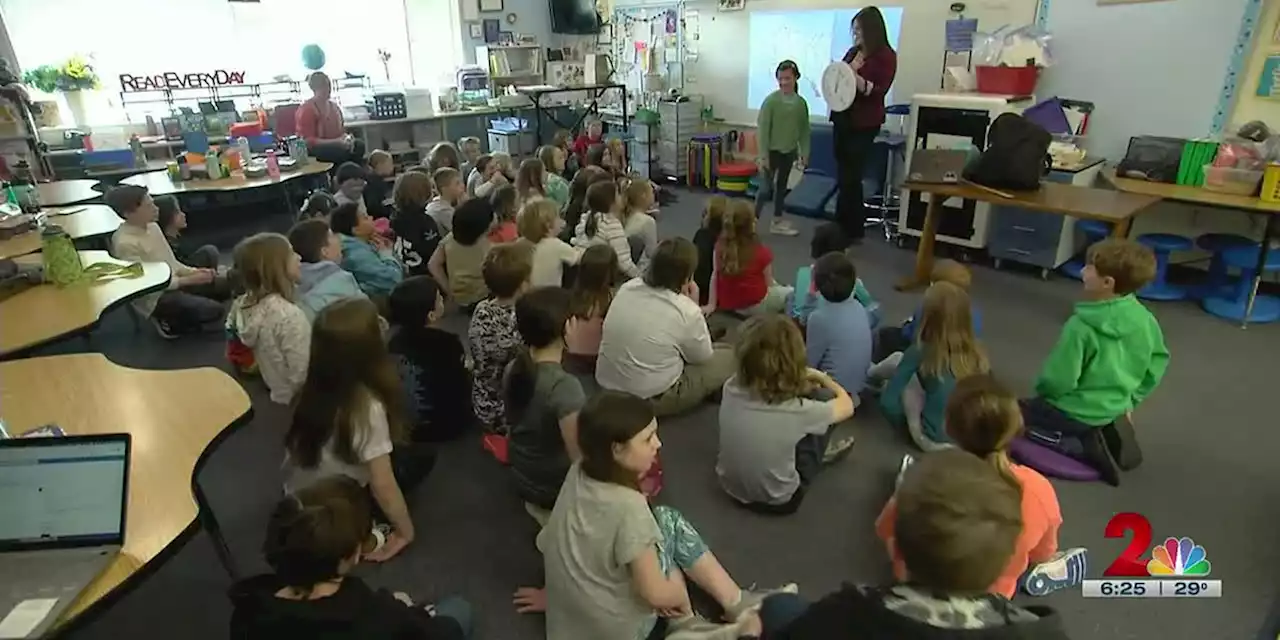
[1206,434]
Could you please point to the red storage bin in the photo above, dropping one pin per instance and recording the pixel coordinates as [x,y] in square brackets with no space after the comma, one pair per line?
[1014,81]
[246,129]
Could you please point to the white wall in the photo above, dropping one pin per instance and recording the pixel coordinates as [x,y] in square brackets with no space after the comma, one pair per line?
[532,17]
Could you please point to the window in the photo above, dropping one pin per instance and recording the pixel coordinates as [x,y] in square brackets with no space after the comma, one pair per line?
[264,39]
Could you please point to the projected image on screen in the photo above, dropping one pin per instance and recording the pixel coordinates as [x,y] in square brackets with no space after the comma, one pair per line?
[813,38]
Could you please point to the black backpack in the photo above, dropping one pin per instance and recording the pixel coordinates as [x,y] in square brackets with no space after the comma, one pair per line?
[1017,155]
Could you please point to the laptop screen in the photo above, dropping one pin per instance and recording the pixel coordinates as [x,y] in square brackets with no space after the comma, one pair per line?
[63,491]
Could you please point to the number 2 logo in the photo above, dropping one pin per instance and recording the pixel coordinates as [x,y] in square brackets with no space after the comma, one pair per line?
[1129,564]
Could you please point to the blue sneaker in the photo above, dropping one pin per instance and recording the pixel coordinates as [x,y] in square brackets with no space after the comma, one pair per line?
[1066,569]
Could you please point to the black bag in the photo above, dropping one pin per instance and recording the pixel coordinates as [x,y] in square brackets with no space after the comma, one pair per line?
[1017,155]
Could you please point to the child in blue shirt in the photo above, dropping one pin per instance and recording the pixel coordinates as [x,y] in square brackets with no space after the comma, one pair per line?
[839,331]
[364,253]
[827,238]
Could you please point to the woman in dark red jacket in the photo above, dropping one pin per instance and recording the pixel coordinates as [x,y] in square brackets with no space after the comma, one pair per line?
[855,128]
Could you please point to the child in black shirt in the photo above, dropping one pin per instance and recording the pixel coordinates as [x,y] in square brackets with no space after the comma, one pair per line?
[431,361]
[314,540]
[417,233]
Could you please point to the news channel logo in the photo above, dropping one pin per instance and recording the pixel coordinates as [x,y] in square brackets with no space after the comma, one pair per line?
[1177,567]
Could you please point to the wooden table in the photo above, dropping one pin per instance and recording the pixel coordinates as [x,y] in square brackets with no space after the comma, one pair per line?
[117,173]
[47,313]
[159,184]
[173,416]
[79,221]
[63,192]
[1113,207]
[1200,196]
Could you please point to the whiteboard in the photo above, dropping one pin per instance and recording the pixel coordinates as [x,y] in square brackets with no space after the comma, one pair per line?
[720,72]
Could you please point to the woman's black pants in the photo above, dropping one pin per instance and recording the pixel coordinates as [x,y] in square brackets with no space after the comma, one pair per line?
[853,147]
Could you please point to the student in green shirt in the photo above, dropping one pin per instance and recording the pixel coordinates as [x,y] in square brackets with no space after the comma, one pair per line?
[782,130]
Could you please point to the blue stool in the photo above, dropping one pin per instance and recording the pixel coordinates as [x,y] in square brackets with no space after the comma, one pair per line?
[1163,244]
[1232,307]
[1218,283]
[1094,231]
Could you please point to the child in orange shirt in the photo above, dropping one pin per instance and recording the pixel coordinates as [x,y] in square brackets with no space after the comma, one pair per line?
[982,418]
[506,204]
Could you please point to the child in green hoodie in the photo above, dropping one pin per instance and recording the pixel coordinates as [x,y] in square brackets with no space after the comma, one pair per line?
[1109,358]
[782,130]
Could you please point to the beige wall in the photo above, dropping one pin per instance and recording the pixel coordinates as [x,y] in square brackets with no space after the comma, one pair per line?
[1248,105]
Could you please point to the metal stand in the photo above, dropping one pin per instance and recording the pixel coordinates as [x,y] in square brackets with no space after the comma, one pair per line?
[596,92]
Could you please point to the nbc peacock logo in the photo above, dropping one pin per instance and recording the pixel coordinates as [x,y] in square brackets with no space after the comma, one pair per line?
[1178,557]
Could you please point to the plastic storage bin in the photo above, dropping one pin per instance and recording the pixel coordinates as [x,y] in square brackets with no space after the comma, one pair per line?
[1013,81]
[1237,182]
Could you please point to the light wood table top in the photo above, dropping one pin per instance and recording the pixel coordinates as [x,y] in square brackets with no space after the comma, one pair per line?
[159,184]
[152,165]
[1193,195]
[1087,203]
[63,192]
[79,221]
[173,417]
[46,313]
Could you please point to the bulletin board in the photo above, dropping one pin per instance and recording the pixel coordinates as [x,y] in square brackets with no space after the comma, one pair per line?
[649,38]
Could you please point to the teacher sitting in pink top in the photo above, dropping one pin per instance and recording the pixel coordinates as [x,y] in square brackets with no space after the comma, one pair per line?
[320,124]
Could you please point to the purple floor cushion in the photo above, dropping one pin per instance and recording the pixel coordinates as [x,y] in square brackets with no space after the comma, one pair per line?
[1050,462]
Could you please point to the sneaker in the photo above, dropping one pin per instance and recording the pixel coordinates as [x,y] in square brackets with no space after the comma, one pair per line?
[164,329]
[752,598]
[781,227]
[907,461]
[837,450]
[1065,569]
[377,538]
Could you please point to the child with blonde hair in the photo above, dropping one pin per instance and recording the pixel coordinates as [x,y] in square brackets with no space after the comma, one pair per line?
[641,228]
[555,186]
[266,331]
[921,378]
[602,224]
[505,202]
[469,147]
[539,222]
[982,417]
[349,419]
[530,179]
[742,279]
[775,430]
[592,293]
[704,239]
[891,339]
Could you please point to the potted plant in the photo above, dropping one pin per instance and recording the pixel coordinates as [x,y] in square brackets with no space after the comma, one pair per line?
[71,78]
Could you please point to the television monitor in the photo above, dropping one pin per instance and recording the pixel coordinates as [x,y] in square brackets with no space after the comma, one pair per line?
[574,16]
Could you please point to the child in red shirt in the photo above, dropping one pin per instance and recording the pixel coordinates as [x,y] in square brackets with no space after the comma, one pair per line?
[592,134]
[982,417]
[742,277]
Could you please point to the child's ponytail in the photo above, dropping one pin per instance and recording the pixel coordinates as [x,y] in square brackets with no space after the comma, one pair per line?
[982,418]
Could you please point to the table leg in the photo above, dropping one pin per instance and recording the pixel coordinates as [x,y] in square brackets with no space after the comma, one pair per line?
[210,523]
[1265,248]
[924,255]
[1121,229]
[288,204]
[626,122]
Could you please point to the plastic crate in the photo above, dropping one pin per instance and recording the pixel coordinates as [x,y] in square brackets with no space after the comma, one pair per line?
[1013,81]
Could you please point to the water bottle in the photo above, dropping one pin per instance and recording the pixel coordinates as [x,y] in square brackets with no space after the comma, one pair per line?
[139,154]
[212,165]
[273,165]
[23,188]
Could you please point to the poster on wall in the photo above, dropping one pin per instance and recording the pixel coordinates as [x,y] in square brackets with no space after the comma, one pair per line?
[1269,79]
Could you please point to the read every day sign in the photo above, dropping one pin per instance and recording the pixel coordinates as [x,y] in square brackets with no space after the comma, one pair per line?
[174,80]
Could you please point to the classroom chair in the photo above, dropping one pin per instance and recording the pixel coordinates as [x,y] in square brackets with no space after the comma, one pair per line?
[887,201]
[1163,244]
[1218,281]
[1232,306]
[1094,231]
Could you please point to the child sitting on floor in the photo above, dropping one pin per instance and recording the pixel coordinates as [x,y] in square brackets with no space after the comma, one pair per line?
[982,418]
[592,135]
[266,332]
[602,225]
[920,379]
[349,183]
[493,174]
[376,193]
[742,281]
[322,281]
[194,297]
[443,155]
[457,265]
[318,205]
[577,206]
[1110,357]
[705,239]
[592,292]
[417,234]
[555,186]
[493,337]
[839,330]
[542,400]
[450,192]
[506,204]
[315,538]
[641,228]
[367,255]
[563,140]
[773,437]
[829,237]
[891,339]
[539,223]
[530,180]
[469,147]
[349,418]
[478,174]
[431,361]
[172,221]
[958,524]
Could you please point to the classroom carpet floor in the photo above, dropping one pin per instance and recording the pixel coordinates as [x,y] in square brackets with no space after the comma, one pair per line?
[1208,433]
